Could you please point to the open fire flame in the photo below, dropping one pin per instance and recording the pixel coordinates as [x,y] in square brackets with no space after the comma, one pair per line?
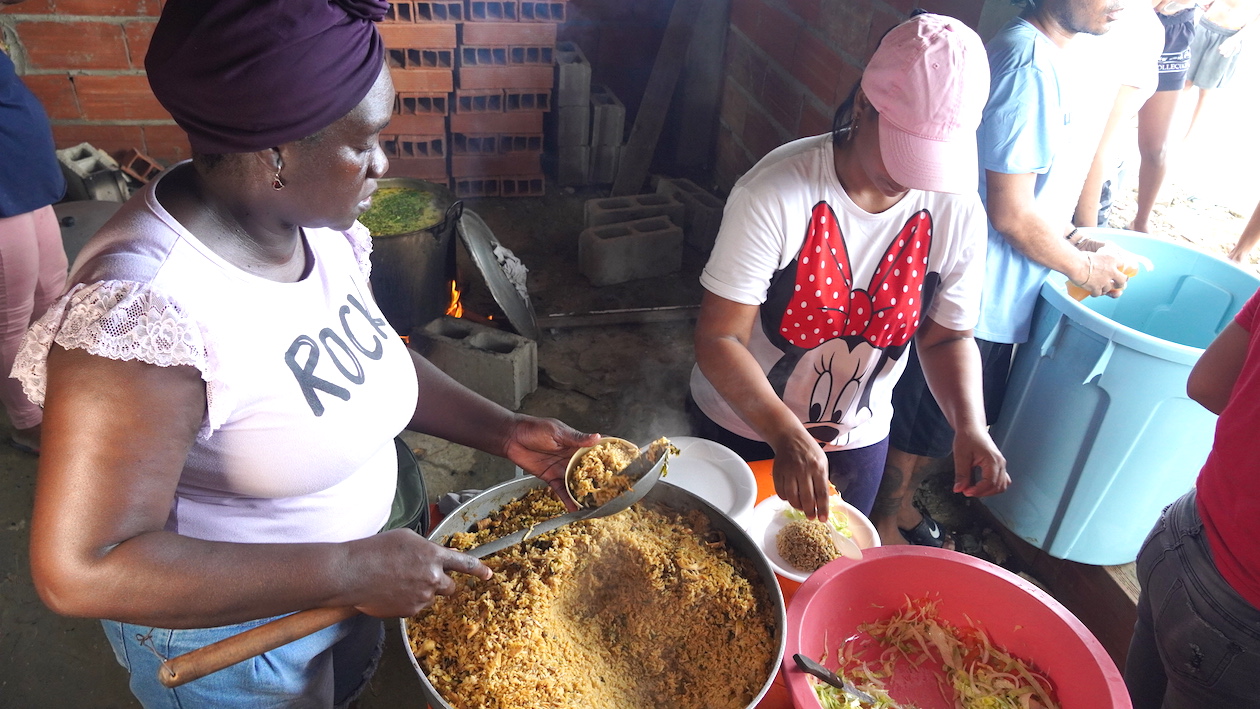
[456,307]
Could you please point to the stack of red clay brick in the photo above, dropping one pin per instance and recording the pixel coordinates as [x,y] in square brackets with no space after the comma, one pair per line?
[473,78]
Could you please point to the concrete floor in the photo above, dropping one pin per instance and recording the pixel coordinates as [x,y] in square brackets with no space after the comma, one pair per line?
[625,380]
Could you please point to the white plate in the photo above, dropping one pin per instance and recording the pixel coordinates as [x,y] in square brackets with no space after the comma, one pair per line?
[769,516]
[714,472]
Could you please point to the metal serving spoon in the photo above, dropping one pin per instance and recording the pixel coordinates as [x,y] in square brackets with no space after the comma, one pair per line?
[621,502]
[816,669]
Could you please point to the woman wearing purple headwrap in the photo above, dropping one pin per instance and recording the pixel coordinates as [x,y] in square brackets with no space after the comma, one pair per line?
[221,391]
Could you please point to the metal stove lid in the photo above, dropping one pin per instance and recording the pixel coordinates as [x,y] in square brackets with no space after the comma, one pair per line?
[503,271]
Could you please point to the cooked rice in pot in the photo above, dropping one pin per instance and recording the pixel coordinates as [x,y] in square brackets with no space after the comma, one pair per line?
[646,608]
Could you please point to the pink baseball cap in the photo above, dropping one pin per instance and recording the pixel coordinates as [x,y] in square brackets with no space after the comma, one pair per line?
[929,80]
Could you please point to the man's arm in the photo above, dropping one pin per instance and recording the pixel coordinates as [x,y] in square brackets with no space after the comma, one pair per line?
[1013,212]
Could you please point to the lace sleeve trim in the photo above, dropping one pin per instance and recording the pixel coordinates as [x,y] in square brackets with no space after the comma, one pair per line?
[361,244]
[126,321]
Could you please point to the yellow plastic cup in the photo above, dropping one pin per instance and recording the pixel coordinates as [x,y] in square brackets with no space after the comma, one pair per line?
[1079,293]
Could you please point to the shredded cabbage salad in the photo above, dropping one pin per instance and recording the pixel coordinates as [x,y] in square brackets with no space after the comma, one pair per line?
[838,520]
[971,669]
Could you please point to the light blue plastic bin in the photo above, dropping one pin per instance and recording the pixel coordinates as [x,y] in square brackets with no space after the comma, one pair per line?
[1096,427]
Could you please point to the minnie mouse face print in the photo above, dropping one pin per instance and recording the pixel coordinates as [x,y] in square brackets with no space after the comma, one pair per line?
[836,337]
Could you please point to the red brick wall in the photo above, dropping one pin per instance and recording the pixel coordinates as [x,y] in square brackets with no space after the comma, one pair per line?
[789,63]
[84,59]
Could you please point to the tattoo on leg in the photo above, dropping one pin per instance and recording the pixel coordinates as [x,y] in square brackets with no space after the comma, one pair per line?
[888,498]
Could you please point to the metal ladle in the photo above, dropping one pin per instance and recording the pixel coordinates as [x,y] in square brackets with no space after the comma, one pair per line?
[621,502]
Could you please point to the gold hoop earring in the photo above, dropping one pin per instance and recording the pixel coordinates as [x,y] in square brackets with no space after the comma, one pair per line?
[277,183]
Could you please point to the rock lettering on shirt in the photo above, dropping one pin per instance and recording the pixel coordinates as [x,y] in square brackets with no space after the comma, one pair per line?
[342,348]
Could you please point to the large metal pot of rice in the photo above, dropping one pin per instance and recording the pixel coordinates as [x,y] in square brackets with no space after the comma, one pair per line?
[671,500]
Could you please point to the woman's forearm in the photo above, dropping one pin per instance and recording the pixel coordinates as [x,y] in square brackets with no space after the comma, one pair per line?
[952,369]
[735,374]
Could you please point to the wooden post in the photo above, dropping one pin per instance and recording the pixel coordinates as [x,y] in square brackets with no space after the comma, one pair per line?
[702,89]
[636,156]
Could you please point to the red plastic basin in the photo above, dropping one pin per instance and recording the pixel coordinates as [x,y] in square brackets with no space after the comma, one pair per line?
[1017,615]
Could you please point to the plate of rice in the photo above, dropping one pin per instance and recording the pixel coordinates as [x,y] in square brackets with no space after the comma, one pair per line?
[797,546]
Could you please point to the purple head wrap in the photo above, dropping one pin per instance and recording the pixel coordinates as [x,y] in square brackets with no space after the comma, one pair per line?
[245,75]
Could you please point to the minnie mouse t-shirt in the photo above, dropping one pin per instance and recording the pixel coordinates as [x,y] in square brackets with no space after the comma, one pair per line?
[841,291]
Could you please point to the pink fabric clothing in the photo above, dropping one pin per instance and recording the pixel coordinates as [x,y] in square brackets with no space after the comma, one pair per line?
[32,275]
[1229,484]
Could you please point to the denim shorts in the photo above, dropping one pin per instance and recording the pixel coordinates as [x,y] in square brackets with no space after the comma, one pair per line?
[919,426]
[1196,643]
[328,668]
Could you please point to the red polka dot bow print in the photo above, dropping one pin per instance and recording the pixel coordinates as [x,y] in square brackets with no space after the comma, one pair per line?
[825,305]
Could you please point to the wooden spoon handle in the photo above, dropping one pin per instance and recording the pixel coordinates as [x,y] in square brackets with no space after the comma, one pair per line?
[255,641]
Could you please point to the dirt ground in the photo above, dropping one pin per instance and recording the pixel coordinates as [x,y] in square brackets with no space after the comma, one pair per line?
[626,380]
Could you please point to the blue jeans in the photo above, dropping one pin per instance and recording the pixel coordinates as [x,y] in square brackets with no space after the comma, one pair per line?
[325,669]
[1196,644]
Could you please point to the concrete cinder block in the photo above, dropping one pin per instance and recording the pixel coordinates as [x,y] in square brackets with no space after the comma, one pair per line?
[573,165]
[616,253]
[501,366]
[703,210]
[611,210]
[573,76]
[92,174]
[573,126]
[604,160]
[608,117]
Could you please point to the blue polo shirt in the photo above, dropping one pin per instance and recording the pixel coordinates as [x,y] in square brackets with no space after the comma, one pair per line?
[1022,126]
[30,176]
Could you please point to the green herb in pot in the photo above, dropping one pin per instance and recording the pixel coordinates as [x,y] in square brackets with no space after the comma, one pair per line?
[400,210]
